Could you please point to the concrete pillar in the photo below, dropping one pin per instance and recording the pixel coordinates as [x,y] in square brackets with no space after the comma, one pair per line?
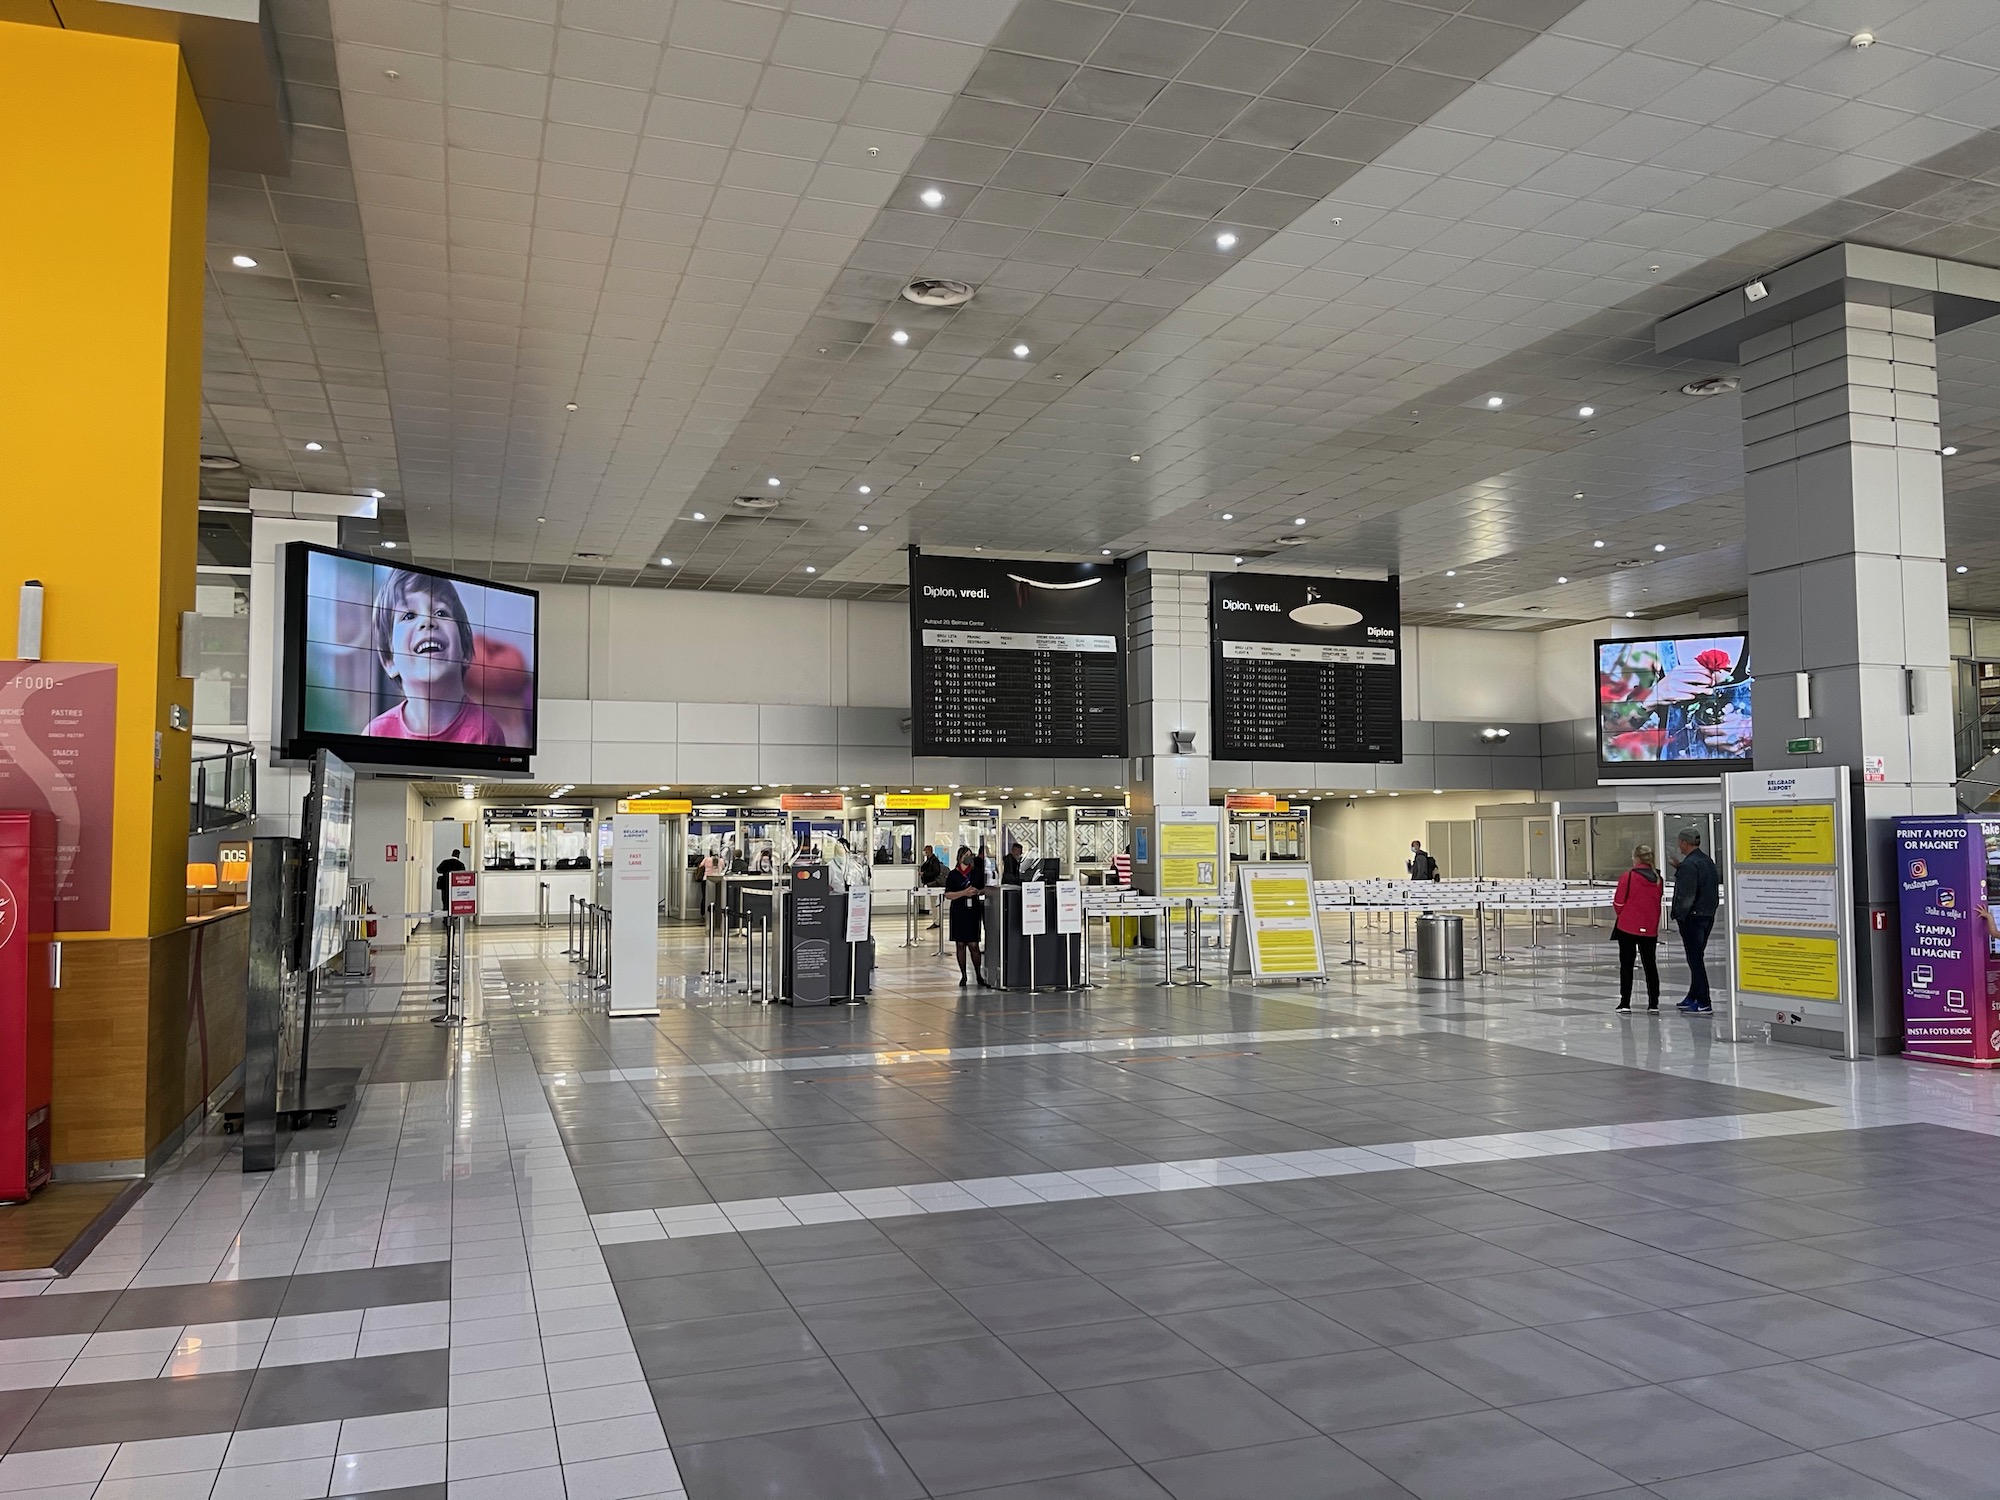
[1167,635]
[1844,527]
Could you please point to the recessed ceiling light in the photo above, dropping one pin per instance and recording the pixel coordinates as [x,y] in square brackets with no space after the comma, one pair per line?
[1451,572]
[1659,546]
[1225,241]
[811,569]
[1960,568]
[864,489]
[1586,411]
[1947,452]
[390,545]
[899,337]
[541,520]
[569,406]
[1459,605]
[1239,559]
[1021,351]
[1495,400]
[1229,515]
[1135,458]
[378,494]
[931,198]
[1561,579]
[699,516]
[666,562]
[1598,543]
[1861,39]
[1631,614]
[243,262]
[862,527]
[312,447]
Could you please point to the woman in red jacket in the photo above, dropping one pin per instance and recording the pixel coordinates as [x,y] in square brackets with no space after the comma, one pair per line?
[1637,927]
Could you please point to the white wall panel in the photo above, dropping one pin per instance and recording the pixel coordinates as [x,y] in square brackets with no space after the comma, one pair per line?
[1477,674]
[718,724]
[642,722]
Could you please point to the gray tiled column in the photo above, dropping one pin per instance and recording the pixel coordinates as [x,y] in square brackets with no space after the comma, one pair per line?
[1844,512]
[1167,633]
[1844,528]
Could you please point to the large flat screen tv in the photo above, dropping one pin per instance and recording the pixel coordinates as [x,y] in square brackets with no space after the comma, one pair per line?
[392,665]
[1673,708]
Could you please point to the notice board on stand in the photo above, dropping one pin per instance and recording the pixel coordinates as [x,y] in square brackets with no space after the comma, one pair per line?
[1788,880]
[1277,925]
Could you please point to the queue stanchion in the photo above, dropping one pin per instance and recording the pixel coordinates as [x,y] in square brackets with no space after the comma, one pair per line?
[1194,922]
[1164,935]
[604,948]
[542,906]
[1352,961]
[910,917]
[569,929]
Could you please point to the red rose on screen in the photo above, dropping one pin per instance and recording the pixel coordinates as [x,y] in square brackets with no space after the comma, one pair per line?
[1712,660]
[1640,744]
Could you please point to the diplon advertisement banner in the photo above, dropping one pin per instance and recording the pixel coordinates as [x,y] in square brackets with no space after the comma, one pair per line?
[1949,975]
[58,742]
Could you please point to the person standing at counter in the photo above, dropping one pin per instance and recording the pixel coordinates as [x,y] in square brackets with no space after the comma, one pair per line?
[1010,867]
[964,892]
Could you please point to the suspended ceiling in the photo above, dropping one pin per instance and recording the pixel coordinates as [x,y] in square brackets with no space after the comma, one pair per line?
[1269,259]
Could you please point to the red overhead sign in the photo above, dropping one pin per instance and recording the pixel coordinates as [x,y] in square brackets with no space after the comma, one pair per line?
[812,802]
[1251,802]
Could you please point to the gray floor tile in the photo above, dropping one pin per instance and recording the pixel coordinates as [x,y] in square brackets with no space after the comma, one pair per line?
[1930,1372]
[1547,1295]
[648,1258]
[1016,1258]
[377,1286]
[1406,1314]
[718,1404]
[854,1279]
[1483,1456]
[345,1388]
[1913,1303]
[1670,1281]
[1183,1414]
[1319,1273]
[699,1294]
[1128,1483]
[999,1442]
[128,1411]
[43,1317]
[203,1302]
[1304,1469]
[842,1241]
[1016,1306]
[889,1323]
[845,1461]
[1361,1388]
[1806,1406]
[1524,1364]
[1661,1346]
[726,1343]
[924,1377]
[1797,1326]
[1564,1243]
[1264,1332]
[1098,1353]
[1805,1477]
[1936,1463]
[1648,1434]
[1123,1249]
[1188,1288]
[1441,1256]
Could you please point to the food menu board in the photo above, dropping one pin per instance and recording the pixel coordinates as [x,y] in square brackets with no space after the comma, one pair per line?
[1016,658]
[1306,668]
[58,737]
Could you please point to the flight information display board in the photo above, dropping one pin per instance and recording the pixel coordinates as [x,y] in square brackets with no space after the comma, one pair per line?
[1306,668]
[1016,658]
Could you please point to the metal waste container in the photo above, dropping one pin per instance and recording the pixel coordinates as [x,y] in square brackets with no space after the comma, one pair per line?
[1440,947]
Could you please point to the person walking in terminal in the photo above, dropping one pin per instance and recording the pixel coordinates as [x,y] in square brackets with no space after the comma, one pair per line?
[1421,866]
[930,875]
[964,889]
[1637,926]
[1697,893]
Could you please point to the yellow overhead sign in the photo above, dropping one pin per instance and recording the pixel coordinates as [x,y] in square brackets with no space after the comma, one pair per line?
[664,805]
[914,801]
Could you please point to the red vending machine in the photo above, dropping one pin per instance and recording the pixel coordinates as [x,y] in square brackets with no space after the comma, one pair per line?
[27,924]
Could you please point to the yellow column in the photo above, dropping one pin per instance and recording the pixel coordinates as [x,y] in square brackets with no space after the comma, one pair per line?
[103,187]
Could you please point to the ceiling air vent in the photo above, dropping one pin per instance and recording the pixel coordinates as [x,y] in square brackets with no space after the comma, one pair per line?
[1296,540]
[754,505]
[1715,385]
[937,292]
[592,556]
[220,461]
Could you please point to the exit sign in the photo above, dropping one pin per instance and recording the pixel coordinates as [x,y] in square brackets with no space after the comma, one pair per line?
[1802,747]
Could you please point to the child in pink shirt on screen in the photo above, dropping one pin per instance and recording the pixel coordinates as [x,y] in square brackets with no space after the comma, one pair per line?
[425,642]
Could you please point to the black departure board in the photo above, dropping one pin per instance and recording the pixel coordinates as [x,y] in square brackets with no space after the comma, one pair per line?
[1016,658]
[1305,668]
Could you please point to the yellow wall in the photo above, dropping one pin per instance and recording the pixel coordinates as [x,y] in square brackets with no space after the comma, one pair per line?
[1371,839]
[103,174]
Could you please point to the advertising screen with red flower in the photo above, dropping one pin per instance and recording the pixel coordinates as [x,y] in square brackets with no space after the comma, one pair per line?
[1673,707]
[406,666]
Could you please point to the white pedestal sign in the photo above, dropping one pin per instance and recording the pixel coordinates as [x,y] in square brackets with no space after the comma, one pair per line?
[635,914]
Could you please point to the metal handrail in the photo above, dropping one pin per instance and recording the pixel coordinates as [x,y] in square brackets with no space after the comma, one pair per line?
[222,784]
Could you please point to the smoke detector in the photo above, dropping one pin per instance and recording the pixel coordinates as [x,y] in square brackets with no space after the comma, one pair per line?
[1715,385]
[755,505]
[938,292]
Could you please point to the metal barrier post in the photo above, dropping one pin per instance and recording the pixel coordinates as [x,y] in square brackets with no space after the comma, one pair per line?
[910,917]
[1351,962]
[1194,923]
[1165,938]
[569,929]
[604,949]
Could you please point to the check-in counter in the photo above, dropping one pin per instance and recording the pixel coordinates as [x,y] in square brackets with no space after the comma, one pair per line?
[516,895]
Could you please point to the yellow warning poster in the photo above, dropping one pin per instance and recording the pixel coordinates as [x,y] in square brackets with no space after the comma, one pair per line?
[1280,921]
[1793,834]
[1190,859]
[1801,968]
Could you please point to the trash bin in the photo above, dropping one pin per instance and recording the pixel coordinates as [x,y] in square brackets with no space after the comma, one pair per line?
[1440,947]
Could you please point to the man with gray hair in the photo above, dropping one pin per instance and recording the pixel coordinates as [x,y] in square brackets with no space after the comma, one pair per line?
[1697,892]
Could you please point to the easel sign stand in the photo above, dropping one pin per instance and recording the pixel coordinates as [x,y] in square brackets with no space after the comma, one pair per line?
[1788,882]
[1277,932]
[860,914]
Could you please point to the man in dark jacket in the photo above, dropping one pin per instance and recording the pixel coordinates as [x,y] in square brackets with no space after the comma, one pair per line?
[1697,892]
[1421,865]
[930,875]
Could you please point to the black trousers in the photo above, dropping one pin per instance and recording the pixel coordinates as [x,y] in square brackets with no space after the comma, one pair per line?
[1694,939]
[1630,946]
